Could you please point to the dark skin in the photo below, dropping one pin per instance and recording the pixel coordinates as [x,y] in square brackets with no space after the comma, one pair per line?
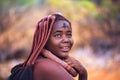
[60,39]
[78,67]
[59,43]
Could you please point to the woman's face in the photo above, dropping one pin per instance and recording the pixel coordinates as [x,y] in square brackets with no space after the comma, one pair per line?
[60,40]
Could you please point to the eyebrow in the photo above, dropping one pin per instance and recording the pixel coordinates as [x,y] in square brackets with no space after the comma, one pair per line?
[59,31]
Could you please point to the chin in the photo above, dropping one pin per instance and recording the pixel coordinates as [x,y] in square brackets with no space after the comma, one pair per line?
[63,55]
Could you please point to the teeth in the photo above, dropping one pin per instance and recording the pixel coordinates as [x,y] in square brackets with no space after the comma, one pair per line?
[65,48]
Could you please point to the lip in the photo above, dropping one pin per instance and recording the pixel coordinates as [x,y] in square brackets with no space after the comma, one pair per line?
[65,48]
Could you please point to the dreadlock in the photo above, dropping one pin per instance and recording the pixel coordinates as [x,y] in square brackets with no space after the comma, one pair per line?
[41,35]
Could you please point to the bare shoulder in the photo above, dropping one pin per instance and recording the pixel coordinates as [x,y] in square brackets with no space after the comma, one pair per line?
[45,64]
[46,69]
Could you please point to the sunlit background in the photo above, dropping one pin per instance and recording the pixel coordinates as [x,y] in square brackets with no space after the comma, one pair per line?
[96,32]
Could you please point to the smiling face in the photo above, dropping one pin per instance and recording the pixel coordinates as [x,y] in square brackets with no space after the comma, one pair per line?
[60,40]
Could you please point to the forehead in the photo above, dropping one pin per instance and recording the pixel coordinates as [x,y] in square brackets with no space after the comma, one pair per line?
[61,24]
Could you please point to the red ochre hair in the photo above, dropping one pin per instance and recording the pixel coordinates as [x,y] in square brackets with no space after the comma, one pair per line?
[41,35]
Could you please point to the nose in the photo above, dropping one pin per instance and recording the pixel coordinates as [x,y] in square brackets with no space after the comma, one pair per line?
[65,39]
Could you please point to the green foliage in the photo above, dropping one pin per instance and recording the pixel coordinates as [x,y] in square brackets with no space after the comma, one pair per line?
[90,6]
[24,2]
[87,4]
[111,9]
[61,4]
[74,7]
[7,4]
[106,3]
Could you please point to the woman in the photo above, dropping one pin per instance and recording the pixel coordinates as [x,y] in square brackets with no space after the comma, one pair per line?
[58,42]
[49,58]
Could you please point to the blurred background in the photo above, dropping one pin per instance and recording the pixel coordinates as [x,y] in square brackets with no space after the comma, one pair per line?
[96,32]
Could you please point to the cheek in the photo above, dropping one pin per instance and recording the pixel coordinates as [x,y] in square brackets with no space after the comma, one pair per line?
[72,42]
[54,46]
[54,43]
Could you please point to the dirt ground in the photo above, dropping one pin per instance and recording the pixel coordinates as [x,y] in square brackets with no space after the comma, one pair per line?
[112,73]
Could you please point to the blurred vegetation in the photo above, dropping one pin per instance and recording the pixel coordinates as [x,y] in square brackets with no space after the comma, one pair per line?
[96,31]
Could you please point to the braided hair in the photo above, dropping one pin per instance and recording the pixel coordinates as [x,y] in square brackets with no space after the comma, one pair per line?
[41,35]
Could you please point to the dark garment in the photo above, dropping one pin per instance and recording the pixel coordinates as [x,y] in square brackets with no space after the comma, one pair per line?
[21,73]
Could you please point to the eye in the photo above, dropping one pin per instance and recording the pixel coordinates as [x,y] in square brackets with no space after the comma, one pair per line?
[58,35]
[69,35]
